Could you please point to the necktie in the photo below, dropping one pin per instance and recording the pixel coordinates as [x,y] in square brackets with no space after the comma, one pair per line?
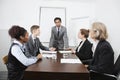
[35,42]
[58,32]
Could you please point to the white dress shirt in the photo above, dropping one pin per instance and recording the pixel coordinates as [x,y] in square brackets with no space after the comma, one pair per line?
[58,27]
[80,45]
[17,51]
[95,43]
[33,38]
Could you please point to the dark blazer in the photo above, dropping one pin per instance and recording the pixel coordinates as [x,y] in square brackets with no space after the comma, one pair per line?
[31,50]
[85,52]
[61,41]
[103,60]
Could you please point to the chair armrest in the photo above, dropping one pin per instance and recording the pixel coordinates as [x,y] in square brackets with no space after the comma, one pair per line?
[104,75]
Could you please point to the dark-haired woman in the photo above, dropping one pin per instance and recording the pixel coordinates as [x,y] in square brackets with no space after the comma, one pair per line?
[17,61]
[84,49]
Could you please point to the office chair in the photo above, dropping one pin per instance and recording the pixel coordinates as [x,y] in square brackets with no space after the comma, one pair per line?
[5,60]
[94,75]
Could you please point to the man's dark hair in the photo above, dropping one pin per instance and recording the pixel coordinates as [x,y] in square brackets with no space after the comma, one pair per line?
[17,31]
[34,27]
[58,18]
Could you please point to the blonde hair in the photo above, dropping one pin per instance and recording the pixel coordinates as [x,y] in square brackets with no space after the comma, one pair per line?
[100,31]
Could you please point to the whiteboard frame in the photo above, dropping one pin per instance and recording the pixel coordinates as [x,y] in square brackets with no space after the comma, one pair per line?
[51,8]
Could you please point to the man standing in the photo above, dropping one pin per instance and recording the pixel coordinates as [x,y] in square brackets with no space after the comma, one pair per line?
[59,38]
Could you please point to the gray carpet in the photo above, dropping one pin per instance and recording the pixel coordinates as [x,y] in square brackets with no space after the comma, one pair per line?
[3,75]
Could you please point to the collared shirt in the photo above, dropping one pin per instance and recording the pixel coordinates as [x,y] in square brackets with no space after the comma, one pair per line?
[17,51]
[58,27]
[33,38]
[80,45]
[95,43]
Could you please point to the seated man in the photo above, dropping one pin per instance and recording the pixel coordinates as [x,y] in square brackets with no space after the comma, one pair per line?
[34,44]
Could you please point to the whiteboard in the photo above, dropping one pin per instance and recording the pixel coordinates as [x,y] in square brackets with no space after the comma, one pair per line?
[47,15]
[75,25]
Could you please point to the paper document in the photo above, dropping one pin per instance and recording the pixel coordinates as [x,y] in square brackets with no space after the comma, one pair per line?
[49,51]
[48,54]
[65,52]
[70,61]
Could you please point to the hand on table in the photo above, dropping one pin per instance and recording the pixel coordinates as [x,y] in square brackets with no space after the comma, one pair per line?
[39,56]
[52,49]
[68,48]
[73,51]
[86,65]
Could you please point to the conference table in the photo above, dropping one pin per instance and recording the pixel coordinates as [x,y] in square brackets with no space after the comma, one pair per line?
[53,69]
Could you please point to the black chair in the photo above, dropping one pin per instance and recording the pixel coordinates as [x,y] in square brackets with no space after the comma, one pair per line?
[94,75]
[100,76]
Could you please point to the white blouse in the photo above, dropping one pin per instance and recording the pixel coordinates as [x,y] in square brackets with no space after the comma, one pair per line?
[95,43]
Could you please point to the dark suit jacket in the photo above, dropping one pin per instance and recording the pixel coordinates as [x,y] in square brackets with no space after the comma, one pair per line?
[31,50]
[103,60]
[60,41]
[85,52]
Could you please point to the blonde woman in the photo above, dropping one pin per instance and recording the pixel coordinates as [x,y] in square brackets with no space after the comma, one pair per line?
[103,59]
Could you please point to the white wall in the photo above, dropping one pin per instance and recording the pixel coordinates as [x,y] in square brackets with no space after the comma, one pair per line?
[26,12]
[108,12]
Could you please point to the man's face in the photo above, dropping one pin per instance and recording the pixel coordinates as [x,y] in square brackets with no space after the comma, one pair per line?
[58,23]
[36,32]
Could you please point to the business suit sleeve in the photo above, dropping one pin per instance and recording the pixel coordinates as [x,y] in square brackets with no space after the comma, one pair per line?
[42,47]
[106,60]
[65,38]
[51,39]
[27,50]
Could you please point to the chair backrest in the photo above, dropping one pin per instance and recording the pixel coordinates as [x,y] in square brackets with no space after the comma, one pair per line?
[5,59]
[100,76]
[117,66]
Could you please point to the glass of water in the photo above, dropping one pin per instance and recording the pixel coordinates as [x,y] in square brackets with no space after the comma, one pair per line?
[65,55]
[54,56]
